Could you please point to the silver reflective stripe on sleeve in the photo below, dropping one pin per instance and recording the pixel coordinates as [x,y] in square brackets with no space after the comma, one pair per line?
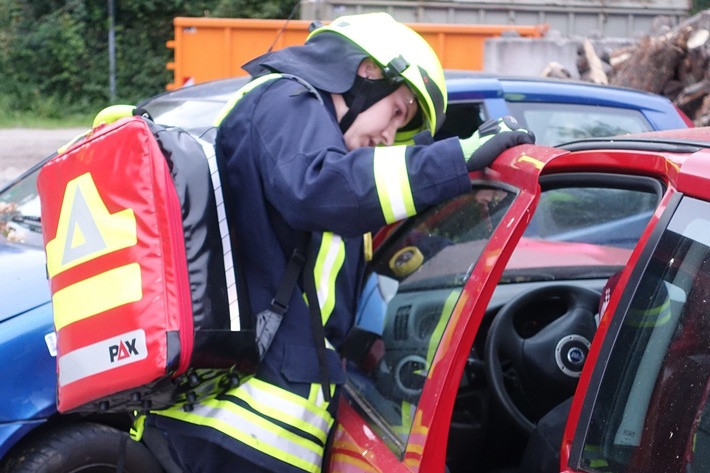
[392,183]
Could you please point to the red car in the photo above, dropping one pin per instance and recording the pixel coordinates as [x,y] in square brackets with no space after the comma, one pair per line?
[478,315]
[575,276]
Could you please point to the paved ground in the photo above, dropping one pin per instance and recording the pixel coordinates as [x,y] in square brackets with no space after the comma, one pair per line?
[20,148]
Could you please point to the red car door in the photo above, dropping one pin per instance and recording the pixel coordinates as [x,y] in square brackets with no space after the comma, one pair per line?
[642,402]
[428,287]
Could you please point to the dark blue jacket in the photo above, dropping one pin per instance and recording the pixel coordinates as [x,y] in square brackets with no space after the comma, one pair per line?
[290,171]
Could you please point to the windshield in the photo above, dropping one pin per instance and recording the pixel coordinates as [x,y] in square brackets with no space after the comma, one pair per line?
[192,108]
[20,212]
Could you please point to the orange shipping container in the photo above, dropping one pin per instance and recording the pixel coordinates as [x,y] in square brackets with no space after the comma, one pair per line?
[206,49]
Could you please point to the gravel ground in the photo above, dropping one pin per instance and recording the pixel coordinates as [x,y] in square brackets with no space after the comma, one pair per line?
[20,148]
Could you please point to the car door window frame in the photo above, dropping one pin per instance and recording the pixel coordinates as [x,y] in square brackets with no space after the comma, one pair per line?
[397,440]
[614,345]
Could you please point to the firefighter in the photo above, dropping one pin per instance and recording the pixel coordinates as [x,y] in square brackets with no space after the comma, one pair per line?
[307,149]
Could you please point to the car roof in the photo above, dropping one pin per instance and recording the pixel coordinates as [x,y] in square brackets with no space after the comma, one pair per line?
[546,89]
[513,88]
[680,141]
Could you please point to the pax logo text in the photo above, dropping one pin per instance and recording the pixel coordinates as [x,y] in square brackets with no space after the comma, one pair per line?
[124,349]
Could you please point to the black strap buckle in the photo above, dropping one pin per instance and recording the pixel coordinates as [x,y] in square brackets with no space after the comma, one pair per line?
[393,71]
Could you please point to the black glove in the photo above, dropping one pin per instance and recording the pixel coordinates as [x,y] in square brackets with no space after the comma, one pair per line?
[491,139]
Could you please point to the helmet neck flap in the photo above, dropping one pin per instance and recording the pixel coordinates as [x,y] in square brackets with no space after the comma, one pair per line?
[328,62]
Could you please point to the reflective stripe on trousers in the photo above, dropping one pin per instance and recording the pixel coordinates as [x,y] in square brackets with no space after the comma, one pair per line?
[245,413]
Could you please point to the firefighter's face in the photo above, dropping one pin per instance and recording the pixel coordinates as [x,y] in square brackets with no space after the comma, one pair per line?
[378,124]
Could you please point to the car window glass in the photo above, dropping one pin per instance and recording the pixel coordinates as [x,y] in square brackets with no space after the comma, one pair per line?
[585,227]
[413,285]
[185,114]
[573,214]
[462,120]
[557,123]
[192,107]
[20,212]
[652,412]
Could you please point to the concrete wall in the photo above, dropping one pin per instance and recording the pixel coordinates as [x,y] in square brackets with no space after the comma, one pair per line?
[532,56]
[609,24]
[609,18]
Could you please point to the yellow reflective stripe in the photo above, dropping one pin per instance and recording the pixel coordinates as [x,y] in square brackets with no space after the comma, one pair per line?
[315,395]
[241,93]
[329,261]
[138,427]
[286,407]
[254,431]
[392,183]
[97,294]
[367,246]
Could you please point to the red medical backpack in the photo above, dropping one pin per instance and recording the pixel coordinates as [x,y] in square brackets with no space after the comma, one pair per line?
[140,267]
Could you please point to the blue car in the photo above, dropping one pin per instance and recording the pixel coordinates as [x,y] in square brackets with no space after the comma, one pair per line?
[34,438]
[558,111]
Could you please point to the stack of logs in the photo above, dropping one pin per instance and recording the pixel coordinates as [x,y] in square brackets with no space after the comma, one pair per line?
[671,61]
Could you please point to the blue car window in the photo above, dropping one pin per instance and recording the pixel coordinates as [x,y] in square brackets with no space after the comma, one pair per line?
[557,123]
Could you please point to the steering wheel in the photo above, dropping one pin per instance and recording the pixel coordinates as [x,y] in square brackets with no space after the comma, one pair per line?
[547,360]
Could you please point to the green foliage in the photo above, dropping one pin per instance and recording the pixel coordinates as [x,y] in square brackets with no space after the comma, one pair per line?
[45,116]
[698,6]
[253,9]
[54,54]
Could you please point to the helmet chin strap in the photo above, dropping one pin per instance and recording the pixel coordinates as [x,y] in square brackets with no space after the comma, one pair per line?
[362,95]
